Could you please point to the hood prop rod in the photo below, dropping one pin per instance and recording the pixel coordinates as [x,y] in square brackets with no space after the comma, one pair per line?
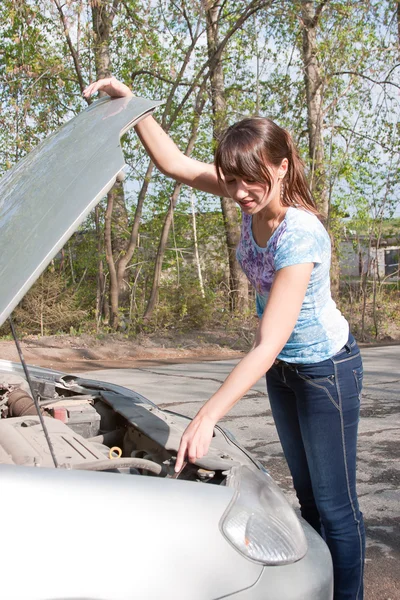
[34,395]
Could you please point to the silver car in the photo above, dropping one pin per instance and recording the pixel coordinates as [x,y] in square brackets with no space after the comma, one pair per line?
[91,506]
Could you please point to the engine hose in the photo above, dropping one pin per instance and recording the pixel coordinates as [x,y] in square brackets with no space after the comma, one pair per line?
[107,438]
[20,404]
[120,463]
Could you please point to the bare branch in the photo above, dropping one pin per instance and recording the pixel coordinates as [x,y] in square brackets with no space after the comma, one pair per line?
[132,16]
[188,23]
[392,69]
[73,51]
[135,74]
[318,11]
[252,8]
[168,28]
[222,6]
[312,22]
[185,63]
[384,82]
[362,136]
[115,7]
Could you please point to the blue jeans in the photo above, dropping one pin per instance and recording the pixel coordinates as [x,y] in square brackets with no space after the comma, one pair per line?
[316,410]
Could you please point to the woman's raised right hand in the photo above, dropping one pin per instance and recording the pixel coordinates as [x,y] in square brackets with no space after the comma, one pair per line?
[109,85]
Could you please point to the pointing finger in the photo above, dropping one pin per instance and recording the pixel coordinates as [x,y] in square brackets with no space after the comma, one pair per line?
[180,456]
[192,452]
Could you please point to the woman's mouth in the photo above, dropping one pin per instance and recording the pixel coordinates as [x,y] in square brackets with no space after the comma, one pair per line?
[246,203]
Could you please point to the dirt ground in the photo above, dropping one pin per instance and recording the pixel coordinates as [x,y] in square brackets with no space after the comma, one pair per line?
[79,353]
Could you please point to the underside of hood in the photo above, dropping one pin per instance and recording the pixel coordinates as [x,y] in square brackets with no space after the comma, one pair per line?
[46,196]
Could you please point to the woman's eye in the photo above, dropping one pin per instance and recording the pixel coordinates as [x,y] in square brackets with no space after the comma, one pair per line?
[230,181]
[250,180]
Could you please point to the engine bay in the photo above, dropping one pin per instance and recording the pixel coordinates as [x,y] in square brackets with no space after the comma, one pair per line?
[100,427]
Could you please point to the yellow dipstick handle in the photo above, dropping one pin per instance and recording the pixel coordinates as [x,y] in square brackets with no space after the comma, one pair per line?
[117,450]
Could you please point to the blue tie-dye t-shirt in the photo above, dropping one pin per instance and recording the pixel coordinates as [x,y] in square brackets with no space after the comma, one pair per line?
[321,330]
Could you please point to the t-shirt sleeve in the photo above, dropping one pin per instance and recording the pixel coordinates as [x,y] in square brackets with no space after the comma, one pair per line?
[298,247]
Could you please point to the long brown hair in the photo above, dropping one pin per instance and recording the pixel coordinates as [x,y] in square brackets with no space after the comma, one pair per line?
[249,147]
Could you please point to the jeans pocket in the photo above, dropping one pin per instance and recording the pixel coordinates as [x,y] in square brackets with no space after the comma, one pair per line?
[319,384]
[330,379]
[322,372]
[358,378]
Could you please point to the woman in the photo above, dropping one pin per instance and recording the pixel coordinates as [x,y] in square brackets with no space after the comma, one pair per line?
[313,365]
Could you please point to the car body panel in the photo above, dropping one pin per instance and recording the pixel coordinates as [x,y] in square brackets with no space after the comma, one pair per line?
[47,195]
[116,538]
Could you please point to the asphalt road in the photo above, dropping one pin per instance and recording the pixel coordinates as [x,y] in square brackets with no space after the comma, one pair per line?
[184,387]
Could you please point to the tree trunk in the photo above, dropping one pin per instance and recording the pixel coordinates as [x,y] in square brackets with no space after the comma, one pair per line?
[238,285]
[102,307]
[314,94]
[131,245]
[119,231]
[196,246]
[161,251]
[314,86]
[113,286]
[102,21]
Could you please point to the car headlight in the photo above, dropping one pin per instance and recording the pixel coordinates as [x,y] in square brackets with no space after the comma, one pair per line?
[260,522]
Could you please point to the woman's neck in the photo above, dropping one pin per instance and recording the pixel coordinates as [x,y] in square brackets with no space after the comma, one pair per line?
[265,223]
[270,212]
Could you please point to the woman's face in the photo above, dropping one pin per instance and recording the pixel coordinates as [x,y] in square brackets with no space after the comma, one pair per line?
[252,196]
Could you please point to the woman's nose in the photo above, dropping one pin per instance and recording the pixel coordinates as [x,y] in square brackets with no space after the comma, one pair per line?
[240,190]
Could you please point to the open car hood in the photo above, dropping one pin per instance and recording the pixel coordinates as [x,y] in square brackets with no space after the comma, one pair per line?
[47,195]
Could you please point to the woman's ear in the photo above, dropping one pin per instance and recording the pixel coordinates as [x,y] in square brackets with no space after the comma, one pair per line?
[283,168]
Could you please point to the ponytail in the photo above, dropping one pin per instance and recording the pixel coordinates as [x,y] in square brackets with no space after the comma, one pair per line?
[296,189]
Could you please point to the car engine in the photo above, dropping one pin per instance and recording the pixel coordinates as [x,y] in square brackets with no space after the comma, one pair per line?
[100,430]
[85,433]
